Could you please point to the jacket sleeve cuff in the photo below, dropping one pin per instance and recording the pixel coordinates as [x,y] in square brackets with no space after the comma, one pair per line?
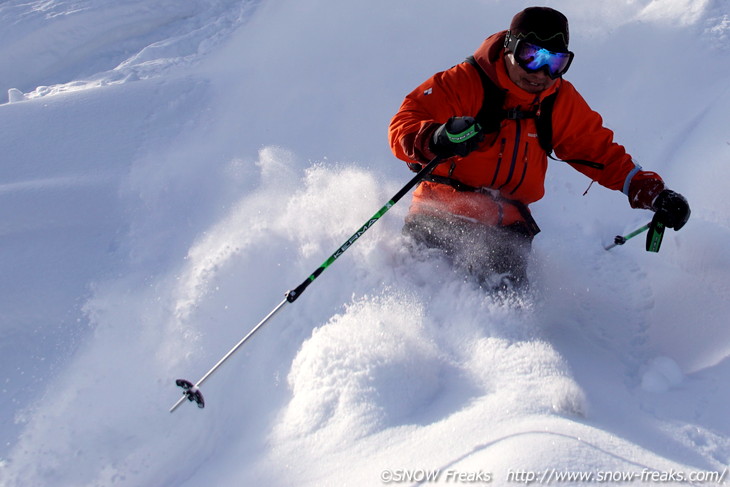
[643,188]
[417,146]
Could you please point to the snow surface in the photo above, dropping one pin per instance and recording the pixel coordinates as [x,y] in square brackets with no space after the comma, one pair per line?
[171,168]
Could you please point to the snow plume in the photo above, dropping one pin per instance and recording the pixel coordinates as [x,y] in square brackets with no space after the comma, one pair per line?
[404,363]
[364,370]
[198,294]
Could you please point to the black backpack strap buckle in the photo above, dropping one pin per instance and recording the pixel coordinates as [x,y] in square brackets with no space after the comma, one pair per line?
[517,114]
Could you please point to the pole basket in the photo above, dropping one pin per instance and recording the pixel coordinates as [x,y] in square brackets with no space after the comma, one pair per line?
[191,392]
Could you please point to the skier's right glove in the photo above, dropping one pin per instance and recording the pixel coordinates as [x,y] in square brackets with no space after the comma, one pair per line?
[671,209]
[457,137]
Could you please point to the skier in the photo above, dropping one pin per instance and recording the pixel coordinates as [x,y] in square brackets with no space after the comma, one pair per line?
[494,120]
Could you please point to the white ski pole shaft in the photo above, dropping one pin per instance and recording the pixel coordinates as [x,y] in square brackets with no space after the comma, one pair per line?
[191,392]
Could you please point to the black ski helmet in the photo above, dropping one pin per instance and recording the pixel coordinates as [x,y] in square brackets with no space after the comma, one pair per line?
[543,26]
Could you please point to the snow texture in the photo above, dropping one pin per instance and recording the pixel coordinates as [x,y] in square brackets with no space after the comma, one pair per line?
[171,168]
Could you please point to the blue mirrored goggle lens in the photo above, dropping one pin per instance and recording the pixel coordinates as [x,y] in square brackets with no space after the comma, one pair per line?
[534,58]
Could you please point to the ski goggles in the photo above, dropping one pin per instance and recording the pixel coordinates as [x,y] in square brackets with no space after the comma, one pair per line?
[533,58]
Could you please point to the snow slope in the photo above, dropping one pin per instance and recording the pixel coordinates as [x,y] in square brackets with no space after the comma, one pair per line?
[170,169]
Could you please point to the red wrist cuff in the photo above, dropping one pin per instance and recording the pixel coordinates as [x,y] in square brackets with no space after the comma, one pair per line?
[644,187]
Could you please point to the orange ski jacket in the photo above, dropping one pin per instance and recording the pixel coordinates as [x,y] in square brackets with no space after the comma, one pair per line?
[509,166]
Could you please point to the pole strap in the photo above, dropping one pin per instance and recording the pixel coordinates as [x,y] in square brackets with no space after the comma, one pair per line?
[655,235]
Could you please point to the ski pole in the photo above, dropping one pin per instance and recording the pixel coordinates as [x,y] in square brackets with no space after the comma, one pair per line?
[620,240]
[191,391]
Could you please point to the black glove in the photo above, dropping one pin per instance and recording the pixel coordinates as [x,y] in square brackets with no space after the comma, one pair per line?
[457,137]
[671,209]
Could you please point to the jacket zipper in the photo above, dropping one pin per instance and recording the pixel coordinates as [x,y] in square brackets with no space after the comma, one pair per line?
[524,170]
[515,153]
[499,162]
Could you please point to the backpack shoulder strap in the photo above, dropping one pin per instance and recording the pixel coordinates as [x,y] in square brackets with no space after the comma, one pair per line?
[544,123]
[492,113]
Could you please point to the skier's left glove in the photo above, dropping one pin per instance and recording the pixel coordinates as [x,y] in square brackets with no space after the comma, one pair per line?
[672,209]
[647,190]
